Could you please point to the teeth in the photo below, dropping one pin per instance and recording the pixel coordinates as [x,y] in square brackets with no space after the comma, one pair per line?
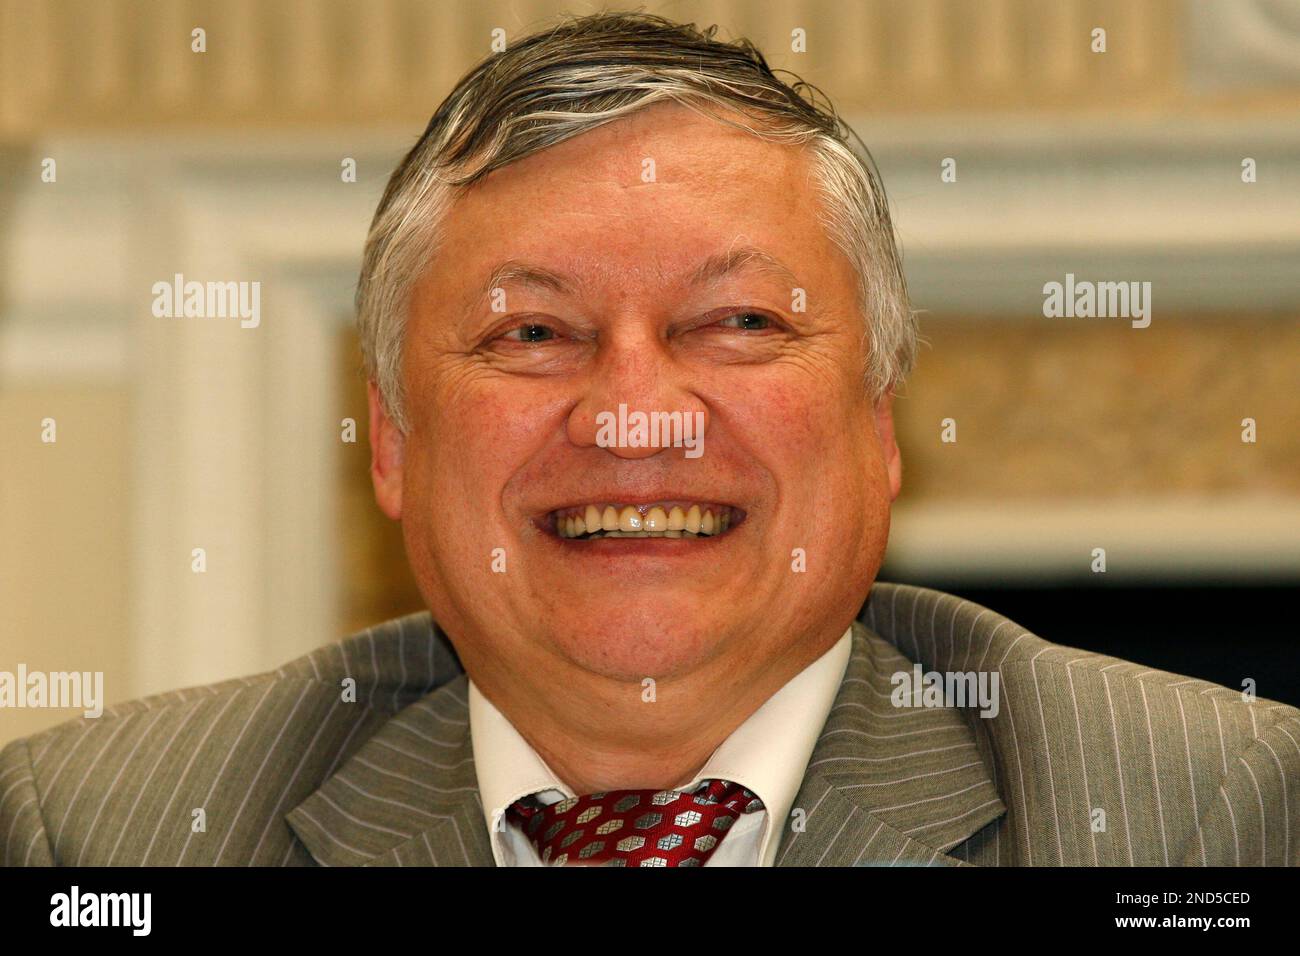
[646,521]
[692,519]
[629,519]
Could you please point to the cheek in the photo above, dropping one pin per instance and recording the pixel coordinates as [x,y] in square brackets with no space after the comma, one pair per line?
[818,440]
[812,428]
[476,449]
[468,451]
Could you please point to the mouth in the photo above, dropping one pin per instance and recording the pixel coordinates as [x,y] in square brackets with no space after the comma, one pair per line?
[680,519]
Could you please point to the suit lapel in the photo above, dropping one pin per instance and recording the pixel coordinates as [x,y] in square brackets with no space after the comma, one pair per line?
[407,797]
[888,786]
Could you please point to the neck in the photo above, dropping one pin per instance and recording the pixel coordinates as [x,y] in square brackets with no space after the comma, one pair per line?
[603,734]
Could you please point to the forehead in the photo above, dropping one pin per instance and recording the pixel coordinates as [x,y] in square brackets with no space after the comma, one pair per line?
[649,196]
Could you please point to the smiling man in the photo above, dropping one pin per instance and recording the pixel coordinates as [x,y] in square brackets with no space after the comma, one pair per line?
[633,655]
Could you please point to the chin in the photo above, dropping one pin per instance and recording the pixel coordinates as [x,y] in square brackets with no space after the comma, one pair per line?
[636,643]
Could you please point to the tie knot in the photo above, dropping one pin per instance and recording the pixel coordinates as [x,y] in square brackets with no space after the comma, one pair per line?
[634,827]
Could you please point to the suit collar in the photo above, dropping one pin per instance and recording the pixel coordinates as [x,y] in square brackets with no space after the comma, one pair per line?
[888,786]
[407,797]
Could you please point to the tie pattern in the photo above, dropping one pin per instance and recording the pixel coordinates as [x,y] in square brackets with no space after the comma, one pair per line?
[634,827]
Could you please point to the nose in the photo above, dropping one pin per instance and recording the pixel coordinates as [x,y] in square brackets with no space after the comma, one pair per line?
[637,400]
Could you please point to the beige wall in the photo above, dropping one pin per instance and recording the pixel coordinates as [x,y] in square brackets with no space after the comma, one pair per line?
[1077,412]
[113,63]
[64,533]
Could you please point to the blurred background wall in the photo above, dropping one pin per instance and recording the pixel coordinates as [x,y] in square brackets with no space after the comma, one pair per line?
[1072,434]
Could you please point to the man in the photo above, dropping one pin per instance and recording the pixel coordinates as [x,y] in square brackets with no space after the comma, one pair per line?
[651,646]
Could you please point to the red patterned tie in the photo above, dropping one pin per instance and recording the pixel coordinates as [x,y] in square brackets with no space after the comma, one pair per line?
[634,827]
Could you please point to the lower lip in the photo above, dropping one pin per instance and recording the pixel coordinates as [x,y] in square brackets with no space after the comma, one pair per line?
[614,548]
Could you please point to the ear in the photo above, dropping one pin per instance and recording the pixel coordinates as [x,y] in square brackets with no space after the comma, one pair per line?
[387,445]
[888,445]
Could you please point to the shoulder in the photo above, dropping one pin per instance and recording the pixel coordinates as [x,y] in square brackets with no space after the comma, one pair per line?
[387,666]
[147,768]
[945,632]
[1195,770]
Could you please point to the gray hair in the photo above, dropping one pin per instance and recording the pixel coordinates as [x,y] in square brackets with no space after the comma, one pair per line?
[591,70]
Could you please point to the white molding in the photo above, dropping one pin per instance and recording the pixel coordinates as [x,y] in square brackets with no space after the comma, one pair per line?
[243,442]
[1199,538]
[1106,199]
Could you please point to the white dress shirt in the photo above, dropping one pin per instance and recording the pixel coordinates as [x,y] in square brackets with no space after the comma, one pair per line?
[767,754]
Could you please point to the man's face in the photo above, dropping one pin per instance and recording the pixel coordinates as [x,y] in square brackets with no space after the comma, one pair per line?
[503,410]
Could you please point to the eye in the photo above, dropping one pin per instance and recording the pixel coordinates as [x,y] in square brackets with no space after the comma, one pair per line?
[747,321]
[529,333]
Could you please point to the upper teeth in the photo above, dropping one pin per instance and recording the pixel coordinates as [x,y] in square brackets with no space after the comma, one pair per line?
[657,520]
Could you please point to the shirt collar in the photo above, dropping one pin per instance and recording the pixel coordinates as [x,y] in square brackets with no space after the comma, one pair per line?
[767,754]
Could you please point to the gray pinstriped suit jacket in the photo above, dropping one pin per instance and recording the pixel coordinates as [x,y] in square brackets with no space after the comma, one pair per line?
[286,773]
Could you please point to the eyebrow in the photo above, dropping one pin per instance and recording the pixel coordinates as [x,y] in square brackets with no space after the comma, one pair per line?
[717,266]
[713,268]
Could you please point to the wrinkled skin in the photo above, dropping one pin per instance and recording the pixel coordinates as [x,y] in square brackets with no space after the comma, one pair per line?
[502,409]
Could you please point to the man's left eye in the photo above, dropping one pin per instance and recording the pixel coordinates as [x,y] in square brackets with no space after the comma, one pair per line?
[748,321]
